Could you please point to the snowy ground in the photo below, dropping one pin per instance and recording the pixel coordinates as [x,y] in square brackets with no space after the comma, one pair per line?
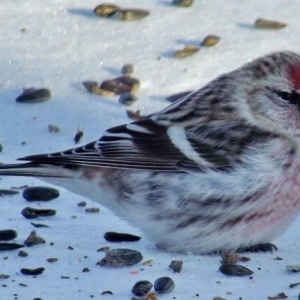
[58,44]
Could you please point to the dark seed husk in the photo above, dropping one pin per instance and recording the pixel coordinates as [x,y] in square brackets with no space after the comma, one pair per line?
[106,9]
[4,192]
[175,97]
[210,41]
[133,14]
[121,85]
[141,288]
[38,225]
[23,253]
[235,270]
[33,95]
[164,285]
[33,239]
[9,234]
[32,213]
[176,265]
[184,3]
[92,210]
[120,237]
[118,258]
[186,51]
[36,271]
[127,98]
[10,246]
[269,24]
[40,193]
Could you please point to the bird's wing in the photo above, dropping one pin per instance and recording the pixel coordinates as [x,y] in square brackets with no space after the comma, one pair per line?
[148,145]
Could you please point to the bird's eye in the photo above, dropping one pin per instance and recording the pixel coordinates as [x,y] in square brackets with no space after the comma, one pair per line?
[293,97]
[284,95]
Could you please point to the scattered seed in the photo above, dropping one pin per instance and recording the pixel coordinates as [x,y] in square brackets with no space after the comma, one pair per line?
[78,136]
[121,85]
[176,265]
[92,210]
[36,271]
[4,276]
[85,270]
[33,95]
[268,24]
[133,14]
[141,288]
[127,69]
[134,115]
[106,10]
[82,204]
[293,268]
[40,193]
[210,41]
[127,98]
[118,258]
[104,249]
[218,298]
[235,270]
[184,3]
[53,128]
[38,225]
[292,285]
[93,88]
[9,234]
[231,258]
[278,296]
[175,97]
[52,259]
[186,51]
[32,213]
[164,285]
[107,293]
[4,192]
[120,237]
[10,246]
[33,239]
[23,253]
[148,262]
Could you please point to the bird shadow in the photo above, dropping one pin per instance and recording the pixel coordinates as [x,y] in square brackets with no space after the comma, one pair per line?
[84,12]
[245,26]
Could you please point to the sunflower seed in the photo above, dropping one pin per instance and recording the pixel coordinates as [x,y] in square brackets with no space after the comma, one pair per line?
[106,9]
[4,192]
[36,271]
[164,285]
[40,193]
[33,95]
[141,288]
[235,270]
[120,237]
[176,265]
[10,246]
[33,239]
[8,234]
[32,213]
[210,41]
[186,51]
[133,14]
[269,24]
[185,3]
[121,85]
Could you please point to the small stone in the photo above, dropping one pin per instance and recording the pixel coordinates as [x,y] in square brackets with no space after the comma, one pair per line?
[4,192]
[106,9]
[10,246]
[33,95]
[8,234]
[32,213]
[52,259]
[164,285]
[78,136]
[53,128]
[33,239]
[184,3]
[23,253]
[82,204]
[173,98]
[134,115]
[92,210]
[127,98]
[118,258]
[176,265]
[120,237]
[36,271]
[141,288]
[210,41]
[186,51]
[127,69]
[121,85]
[235,270]
[293,268]
[133,14]
[269,24]
[40,193]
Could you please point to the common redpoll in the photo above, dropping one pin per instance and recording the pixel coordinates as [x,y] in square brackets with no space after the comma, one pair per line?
[217,170]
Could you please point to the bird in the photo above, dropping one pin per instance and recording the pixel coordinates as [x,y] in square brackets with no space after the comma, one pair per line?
[217,170]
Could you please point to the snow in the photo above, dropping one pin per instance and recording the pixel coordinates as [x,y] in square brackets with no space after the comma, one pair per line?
[62,44]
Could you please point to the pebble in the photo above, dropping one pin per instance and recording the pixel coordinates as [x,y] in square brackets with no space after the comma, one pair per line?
[173,98]
[8,234]
[106,9]
[164,285]
[141,288]
[53,128]
[133,14]
[33,239]
[121,85]
[269,24]
[186,51]
[210,41]
[176,265]
[33,213]
[235,270]
[127,98]
[293,268]
[36,271]
[127,69]
[118,258]
[4,192]
[120,237]
[33,95]
[10,246]
[40,193]
[184,3]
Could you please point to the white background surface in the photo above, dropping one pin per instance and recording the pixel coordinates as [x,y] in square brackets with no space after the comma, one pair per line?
[64,43]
